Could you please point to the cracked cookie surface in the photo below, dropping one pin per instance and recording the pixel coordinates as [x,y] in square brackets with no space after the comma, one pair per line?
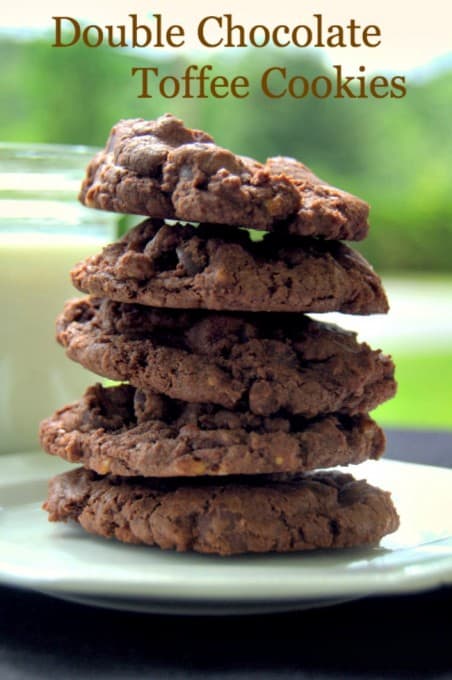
[162,169]
[319,510]
[264,362]
[183,266]
[324,210]
[128,432]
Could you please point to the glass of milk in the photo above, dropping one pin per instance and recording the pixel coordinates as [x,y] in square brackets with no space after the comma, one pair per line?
[44,231]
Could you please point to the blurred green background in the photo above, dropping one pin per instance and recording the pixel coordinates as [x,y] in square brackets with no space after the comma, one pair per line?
[394,153]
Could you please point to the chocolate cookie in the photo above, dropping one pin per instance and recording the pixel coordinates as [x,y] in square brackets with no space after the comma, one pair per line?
[322,510]
[325,210]
[265,362]
[223,269]
[163,169]
[124,431]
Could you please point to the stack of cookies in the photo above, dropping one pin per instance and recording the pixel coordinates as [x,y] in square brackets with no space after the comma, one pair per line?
[231,402]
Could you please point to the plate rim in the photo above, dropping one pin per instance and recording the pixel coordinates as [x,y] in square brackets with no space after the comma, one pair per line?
[426,574]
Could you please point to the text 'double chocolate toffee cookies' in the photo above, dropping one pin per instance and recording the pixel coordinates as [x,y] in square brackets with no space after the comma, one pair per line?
[163,169]
[213,268]
[320,510]
[268,362]
[232,400]
[124,431]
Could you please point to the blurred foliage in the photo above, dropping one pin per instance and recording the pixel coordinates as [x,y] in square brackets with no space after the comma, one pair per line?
[395,153]
[424,395]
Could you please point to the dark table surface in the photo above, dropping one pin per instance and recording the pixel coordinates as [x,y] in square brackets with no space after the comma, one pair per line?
[405,636]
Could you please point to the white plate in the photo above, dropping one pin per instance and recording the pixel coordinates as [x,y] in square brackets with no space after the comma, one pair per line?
[64,561]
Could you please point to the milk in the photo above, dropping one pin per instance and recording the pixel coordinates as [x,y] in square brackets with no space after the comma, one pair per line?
[35,375]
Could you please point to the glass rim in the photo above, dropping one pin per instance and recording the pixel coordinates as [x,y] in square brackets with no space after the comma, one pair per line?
[30,150]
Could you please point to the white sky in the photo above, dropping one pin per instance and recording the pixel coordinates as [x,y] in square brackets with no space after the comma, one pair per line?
[413,32]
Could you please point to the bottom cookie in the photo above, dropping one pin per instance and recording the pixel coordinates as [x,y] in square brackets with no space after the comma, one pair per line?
[260,514]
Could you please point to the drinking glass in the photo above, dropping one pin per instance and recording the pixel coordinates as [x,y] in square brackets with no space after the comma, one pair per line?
[44,231]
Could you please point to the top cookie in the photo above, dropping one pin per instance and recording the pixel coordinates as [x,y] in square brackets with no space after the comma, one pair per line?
[163,169]
[324,210]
